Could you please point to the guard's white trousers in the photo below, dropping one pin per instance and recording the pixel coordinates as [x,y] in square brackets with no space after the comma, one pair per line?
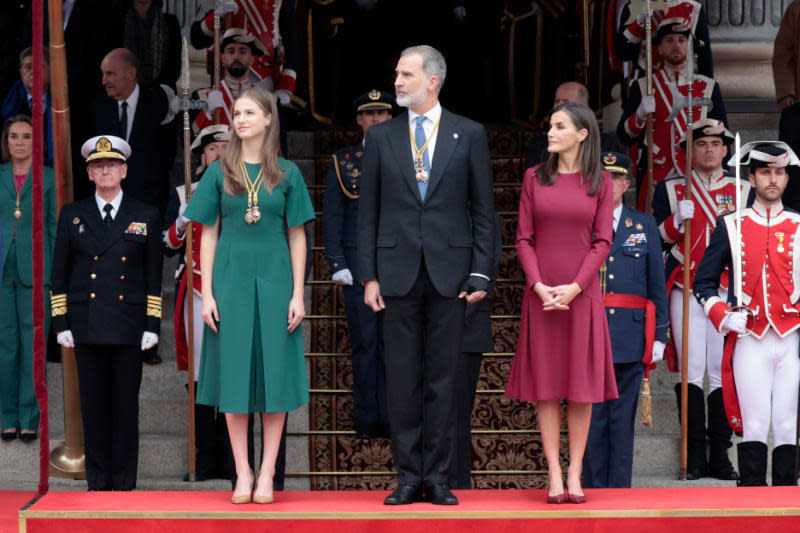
[767,374]
[198,328]
[705,343]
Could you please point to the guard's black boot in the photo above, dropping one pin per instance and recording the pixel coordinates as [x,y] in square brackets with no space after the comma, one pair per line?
[719,435]
[783,465]
[752,464]
[697,464]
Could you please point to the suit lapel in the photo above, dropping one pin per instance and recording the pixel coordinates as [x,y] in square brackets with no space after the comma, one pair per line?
[90,216]
[401,146]
[118,227]
[7,177]
[446,142]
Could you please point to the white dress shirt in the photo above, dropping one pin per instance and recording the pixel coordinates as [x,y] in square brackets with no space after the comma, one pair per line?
[133,100]
[617,215]
[114,204]
[433,115]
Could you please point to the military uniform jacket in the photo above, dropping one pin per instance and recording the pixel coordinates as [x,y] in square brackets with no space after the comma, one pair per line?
[717,197]
[669,159]
[340,209]
[106,282]
[634,266]
[770,276]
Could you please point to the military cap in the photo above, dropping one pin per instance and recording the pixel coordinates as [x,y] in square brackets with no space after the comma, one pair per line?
[105,147]
[616,163]
[374,99]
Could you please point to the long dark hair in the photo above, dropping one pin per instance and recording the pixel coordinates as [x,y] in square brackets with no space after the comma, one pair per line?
[588,155]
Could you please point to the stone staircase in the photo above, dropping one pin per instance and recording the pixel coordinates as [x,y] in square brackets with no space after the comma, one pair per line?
[163,457]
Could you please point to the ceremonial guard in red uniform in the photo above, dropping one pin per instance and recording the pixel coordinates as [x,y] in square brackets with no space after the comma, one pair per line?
[211,433]
[670,85]
[273,23]
[240,50]
[713,194]
[760,368]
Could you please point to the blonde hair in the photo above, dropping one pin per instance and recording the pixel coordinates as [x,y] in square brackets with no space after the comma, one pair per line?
[230,161]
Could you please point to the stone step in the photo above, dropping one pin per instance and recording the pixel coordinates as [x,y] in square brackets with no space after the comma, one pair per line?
[659,455]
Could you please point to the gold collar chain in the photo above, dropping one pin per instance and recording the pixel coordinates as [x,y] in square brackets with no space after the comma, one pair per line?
[253,214]
[419,161]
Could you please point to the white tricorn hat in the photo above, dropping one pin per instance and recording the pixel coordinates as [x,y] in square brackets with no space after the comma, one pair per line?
[210,134]
[773,154]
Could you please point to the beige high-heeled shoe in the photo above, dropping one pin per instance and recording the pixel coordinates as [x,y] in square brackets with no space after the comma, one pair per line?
[245,498]
[262,499]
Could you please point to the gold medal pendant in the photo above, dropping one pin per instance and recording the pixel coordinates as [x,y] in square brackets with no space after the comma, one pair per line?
[255,215]
[780,235]
[419,170]
[248,217]
[17,214]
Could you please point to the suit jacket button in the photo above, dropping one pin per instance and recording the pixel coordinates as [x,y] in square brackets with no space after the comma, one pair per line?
[611,311]
[611,276]
[124,259]
[121,297]
[93,276]
[122,278]
[611,258]
[92,296]
[419,235]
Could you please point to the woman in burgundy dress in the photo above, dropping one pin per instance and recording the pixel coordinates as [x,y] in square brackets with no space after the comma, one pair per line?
[563,236]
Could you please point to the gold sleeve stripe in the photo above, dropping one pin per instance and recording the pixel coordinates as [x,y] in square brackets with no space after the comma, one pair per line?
[58,311]
[154,312]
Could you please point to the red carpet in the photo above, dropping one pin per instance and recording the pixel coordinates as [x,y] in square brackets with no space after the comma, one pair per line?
[11,501]
[695,510]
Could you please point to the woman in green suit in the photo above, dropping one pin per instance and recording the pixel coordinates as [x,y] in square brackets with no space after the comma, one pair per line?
[252,359]
[19,411]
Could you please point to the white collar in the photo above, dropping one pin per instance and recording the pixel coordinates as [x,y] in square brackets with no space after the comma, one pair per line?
[114,203]
[767,212]
[617,215]
[132,99]
[433,114]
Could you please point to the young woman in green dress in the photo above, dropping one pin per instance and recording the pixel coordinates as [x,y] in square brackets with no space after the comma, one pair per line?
[252,286]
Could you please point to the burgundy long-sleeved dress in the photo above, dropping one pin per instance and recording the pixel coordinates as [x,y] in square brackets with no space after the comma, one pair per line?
[563,236]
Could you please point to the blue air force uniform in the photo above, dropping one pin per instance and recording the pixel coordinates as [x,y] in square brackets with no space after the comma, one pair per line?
[339,221]
[634,267]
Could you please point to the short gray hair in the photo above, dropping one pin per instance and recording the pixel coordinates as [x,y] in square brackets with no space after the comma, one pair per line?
[433,63]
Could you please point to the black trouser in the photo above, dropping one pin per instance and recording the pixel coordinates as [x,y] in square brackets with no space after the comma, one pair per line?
[109,378]
[366,339]
[422,332]
[469,369]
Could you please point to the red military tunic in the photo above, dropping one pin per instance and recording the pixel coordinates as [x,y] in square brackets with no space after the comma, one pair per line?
[176,242]
[669,159]
[713,196]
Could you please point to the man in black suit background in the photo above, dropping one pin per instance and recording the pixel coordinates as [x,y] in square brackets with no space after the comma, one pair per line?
[425,248]
[135,115]
[106,303]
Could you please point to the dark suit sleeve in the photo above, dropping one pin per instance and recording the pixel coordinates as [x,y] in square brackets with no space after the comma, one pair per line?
[287,20]
[198,39]
[498,252]
[718,111]
[623,47]
[152,275]
[627,131]
[333,220]
[59,277]
[715,259]
[170,217]
[481,203]
[368,206]
[656,284]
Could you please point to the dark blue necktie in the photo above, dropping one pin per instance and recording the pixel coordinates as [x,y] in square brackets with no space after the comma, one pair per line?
[419,138]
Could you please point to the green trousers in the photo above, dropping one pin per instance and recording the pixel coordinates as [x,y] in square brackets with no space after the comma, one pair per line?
[18,406]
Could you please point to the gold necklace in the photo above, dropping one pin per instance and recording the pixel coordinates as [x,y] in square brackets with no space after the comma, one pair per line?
[253,215]
[17,212]
[419,163]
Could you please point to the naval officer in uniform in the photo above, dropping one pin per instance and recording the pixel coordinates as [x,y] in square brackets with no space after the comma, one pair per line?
[339,218]
[635,298]
[106,303]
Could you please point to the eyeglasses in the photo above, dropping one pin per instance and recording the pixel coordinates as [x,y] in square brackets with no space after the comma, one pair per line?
[99,166]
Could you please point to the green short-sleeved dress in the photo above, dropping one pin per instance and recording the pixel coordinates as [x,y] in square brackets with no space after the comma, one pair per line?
[253,364]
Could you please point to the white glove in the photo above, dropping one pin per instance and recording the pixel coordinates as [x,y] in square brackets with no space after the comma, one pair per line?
[734,322]
[284,96]
[460,13]
[646,106]
[149,340]
[642,19]
[228,6]
[215,101]
[658,351]
[343,277]
[685,211]
[182,221]
[65,339]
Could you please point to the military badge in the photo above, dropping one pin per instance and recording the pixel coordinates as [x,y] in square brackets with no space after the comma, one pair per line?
[103,145]
[76,221]
[609,159]
[635,239]
[780,235]
[374,95]
[639,226]
[81,228]
[725,204]
[137,228]
[628,222]
[355,173]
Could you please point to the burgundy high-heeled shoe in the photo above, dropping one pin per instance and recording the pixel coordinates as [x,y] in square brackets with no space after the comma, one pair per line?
[572,498]
[558,498]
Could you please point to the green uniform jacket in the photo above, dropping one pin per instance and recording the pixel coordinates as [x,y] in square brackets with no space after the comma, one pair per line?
[23,226]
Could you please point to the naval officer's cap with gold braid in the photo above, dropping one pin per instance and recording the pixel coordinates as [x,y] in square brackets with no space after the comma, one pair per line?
[105,147]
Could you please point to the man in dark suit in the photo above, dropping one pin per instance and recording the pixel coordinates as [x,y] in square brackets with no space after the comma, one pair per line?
[135,115]
[339,224]
[106,303]
[477,339]
[636,307]
[425,239]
